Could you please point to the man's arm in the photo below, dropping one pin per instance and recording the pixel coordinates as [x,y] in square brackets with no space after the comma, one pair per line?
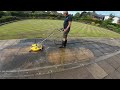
[69,25]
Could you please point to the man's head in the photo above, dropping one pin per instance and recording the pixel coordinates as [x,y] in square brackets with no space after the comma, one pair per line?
[65,13]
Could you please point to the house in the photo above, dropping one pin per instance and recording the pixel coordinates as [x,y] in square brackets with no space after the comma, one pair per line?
[100,17]
[97,16]
[116,20]
[106,17]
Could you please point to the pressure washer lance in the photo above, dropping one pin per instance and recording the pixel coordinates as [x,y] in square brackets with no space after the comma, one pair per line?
[35,47]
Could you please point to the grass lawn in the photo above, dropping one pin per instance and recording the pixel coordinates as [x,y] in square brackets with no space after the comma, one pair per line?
[42,27]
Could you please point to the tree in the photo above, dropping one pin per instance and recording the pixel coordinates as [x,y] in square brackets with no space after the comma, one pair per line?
[94,12]
[18,13]
[39,12]
[7,13]
[106,22]
[1,14]
[111,18]
[33,11]
[77,15]
[54,12]
[111,15]
[83,14]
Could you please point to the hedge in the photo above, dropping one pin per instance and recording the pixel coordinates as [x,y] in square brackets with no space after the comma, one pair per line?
[8,19]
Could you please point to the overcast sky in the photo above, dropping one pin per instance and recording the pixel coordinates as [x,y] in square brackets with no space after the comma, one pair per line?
[116,13]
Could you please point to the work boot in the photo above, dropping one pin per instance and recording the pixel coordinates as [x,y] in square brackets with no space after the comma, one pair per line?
[63,44]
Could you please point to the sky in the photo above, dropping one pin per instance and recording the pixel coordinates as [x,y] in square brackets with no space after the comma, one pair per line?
[116,13]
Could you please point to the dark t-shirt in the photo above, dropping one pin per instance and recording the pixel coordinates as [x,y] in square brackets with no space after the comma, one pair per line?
[66,21]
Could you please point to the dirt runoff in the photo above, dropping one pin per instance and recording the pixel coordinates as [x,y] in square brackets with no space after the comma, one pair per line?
[63,56]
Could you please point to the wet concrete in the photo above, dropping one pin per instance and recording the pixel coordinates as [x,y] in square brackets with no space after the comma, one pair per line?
[62,56]
[16,56]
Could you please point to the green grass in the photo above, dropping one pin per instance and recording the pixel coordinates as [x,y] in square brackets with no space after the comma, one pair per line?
[42,27]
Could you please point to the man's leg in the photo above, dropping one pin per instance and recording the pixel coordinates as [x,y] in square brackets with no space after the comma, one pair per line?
[65,37]
[64,41]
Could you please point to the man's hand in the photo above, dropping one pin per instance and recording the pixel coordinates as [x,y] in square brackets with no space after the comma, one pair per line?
[69,25]
[65,30]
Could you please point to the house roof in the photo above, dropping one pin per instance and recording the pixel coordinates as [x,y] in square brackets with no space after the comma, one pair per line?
[99,16]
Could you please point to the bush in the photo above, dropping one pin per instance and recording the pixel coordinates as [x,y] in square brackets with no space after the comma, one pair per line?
[8,18]
[97,24]
[93,23]
[118,30]
[1,14]
[106,22]
[112,27]
[91,20]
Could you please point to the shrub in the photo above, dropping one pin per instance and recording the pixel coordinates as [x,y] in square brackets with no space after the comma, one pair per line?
[91,20]
[111,27]
[118,30]
[8,18]
[93,23]
[97,24]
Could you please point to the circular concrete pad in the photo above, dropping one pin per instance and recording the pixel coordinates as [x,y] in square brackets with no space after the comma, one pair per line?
[16,56]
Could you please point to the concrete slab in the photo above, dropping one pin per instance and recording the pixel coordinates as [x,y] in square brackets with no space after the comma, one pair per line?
[15,55]
[96,71]
[78,73]
[46,76]
[115,75]
[113,63]
[118,69]
[106,67]
[97,53]
[108,77]
[116,58]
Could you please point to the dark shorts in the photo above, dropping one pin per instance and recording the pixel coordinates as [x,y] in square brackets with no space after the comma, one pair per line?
[65,34]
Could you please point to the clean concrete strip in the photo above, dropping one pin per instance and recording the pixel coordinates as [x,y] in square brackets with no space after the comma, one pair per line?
[106,56]
[96,71]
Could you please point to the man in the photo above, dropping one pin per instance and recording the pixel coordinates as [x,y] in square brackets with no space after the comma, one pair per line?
[66,25]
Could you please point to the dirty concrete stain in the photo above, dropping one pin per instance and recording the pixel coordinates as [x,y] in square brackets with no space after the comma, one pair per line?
[8,52]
